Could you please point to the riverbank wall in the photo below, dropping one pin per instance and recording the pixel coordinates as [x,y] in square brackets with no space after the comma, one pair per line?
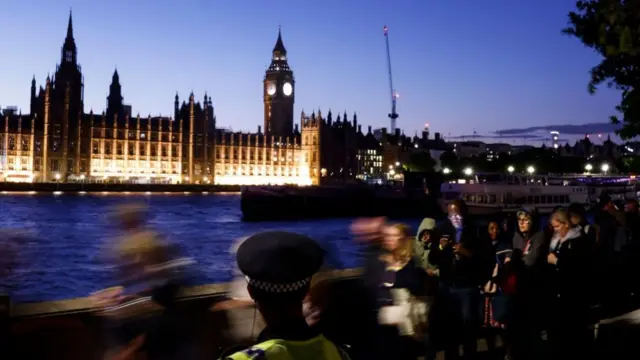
[30,188]
[74,330]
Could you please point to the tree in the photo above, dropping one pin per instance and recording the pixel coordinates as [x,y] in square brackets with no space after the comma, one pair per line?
[448,159]
[612,28]
[420,162]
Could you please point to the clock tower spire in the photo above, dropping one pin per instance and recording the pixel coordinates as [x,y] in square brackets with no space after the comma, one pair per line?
[69,49]
[278,93]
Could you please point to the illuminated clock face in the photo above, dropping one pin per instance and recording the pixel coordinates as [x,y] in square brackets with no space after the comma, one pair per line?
[271,88]
[287,89]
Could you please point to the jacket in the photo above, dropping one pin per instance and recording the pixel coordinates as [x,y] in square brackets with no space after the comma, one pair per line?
[421,251]
[471,268]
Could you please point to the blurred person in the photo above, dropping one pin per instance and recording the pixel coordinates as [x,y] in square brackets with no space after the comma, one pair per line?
[395,279]
[11,240]
[278,267]
[141,309]
[566,285]
[465,263]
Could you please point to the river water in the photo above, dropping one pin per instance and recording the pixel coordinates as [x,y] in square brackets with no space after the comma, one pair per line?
[64,259]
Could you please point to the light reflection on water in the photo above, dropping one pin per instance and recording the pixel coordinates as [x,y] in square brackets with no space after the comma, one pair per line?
[65,258]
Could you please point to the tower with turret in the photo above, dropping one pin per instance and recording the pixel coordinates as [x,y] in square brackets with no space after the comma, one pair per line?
[278,93]
[310,142]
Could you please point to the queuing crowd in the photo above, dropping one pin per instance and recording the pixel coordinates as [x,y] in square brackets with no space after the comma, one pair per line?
[539,287]
[533,288]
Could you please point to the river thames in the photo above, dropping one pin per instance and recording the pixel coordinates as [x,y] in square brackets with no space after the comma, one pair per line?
[65,257]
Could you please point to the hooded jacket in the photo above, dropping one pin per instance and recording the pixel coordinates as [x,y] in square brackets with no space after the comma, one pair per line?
[421,250]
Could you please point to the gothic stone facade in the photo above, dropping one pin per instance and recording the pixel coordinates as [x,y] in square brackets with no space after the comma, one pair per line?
[58,141]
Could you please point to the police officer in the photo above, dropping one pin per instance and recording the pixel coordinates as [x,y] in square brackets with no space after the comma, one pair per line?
[278,266]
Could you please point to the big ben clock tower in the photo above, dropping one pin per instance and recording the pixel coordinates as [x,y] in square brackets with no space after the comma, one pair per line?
[279,93]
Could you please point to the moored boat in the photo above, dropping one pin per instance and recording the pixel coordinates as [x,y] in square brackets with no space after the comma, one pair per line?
[492,194]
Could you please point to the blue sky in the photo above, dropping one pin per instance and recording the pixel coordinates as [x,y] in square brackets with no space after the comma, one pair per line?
[459,65]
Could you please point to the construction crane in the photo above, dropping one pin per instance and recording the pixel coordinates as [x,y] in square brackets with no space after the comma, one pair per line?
[394,95]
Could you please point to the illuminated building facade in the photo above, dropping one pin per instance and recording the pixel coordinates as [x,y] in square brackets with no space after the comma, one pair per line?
[58,141]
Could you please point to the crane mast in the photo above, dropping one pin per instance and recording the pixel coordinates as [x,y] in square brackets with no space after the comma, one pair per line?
[393,115]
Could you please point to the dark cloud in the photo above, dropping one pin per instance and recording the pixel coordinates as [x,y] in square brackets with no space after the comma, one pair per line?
[565,129]
[500,136]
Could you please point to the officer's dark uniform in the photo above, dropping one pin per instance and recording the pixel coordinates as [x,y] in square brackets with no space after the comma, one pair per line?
[279,265]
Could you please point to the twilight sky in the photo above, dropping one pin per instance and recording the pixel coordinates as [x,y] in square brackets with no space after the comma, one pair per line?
[459,65]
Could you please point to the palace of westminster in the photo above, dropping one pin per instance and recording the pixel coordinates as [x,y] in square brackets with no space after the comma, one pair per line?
[58,142]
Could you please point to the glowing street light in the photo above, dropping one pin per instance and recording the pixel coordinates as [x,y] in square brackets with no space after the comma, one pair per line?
[531,169]
[397,163]
[392,172]
[57,176]
[604,168]
[511,169]
[588,167]
[468,171]
[446,171]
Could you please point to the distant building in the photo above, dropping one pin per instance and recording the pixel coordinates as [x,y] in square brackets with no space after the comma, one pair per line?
[58,141]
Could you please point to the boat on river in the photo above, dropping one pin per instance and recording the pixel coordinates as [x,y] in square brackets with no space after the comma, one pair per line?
[495,193]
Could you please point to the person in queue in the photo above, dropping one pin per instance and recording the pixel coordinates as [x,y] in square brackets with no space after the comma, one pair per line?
[465,263]
[494,304]
[565,282]
[609,250]
[578,217]
[394,277]
[528,256]
[425,242]
[278,266]
[426,246]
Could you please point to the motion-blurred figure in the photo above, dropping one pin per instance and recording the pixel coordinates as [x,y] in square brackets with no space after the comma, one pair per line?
[150,275]
[10,243]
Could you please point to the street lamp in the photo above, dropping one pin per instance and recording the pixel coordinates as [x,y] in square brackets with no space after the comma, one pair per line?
[397,163]
[531,169]
[446,171]
[468,171]
[604,168]
[588,167]
[57,176]
[511,169]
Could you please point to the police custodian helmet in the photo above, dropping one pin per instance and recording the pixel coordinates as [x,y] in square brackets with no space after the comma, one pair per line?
[279,262]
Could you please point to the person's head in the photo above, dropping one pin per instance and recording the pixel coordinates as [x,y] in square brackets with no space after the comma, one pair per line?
[279,266]
[426,230]
[457,208]
[577,214]
[525,221]
[130,216]
[493,229]
[561,222]
[605,202]
[396,241]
